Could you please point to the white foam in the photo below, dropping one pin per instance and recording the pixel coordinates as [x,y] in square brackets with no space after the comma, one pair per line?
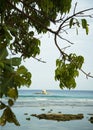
[41,99]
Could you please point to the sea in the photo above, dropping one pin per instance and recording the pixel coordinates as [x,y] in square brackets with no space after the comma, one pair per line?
[55,101]
[35,98]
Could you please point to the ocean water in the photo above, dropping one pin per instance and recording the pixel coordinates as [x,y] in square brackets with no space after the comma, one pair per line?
[64,101]
[35,98]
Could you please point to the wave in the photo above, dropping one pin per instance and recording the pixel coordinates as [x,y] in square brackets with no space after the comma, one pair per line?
[54,98]
[41,99]
[40,102]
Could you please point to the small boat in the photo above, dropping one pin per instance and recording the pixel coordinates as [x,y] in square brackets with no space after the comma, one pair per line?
[44,91]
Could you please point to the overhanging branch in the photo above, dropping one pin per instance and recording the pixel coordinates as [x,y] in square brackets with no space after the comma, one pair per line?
[60,27]
[31,18]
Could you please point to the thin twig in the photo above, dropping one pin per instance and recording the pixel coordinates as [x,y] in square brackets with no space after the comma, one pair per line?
[39,59]
[75,8]
[87,74]
[65,39]
[68,18]
[63,53]
[65,47]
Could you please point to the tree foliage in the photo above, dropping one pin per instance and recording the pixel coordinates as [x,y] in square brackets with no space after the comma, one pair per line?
[20,20]
[67,72]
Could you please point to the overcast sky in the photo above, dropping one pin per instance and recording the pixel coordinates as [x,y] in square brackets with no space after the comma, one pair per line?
[43,73]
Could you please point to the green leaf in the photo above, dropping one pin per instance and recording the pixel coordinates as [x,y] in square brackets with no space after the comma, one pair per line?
[1,64]
[66,72]
[13,61]
[8,68]
[12,93]
[87,30]
[21,70]
[71,22]
[3,52]
[2,105]
[10,102]
[2,121]
[8,116]
[22,77]
[85,25]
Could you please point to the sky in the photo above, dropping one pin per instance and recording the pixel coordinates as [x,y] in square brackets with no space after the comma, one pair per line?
[43,73]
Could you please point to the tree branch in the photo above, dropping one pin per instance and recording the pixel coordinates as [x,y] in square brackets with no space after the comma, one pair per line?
[87,74]
[68,18]
[56,33]
[39,12]
[31,18]
[39,59]
[65,39]
[75,8]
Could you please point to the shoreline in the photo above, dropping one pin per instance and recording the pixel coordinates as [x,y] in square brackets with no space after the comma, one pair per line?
[28,122]
[55,102]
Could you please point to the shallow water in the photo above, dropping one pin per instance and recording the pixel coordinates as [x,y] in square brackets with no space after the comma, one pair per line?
[36,124]
[64,102]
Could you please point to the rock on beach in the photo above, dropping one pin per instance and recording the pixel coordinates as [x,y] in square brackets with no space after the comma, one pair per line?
[91,119]
[59,117]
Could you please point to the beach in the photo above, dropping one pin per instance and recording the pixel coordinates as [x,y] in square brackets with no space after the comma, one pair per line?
[62,102]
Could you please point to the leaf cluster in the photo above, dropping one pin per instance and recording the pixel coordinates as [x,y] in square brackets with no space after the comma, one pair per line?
[75,22]
[8,115]
[18,18]
[12,75]
[66,72]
